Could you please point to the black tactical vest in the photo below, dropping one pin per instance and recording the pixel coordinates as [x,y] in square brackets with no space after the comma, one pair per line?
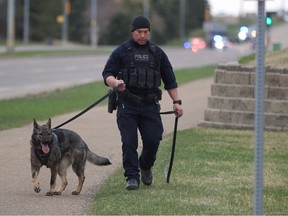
[142,70]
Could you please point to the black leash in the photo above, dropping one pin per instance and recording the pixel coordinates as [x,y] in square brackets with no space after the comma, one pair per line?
[172,151]
[162,113]
[167,112]
[90,107]
[168,172]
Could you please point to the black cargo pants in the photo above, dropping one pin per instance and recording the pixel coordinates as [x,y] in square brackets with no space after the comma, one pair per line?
[147,120]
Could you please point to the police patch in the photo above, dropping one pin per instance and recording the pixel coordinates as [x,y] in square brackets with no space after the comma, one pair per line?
[141,58]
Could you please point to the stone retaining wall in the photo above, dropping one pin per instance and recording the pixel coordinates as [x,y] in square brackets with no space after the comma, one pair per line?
[232,100]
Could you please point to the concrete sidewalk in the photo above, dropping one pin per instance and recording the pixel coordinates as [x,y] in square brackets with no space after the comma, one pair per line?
[98,128]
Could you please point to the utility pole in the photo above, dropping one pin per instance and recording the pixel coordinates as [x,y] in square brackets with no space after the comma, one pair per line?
[241,8]
[182,21]
[283,6]
[66,12]
[146,8]
[10,25]
[94,24]
[26,25]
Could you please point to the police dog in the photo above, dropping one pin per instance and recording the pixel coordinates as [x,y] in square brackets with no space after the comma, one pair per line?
[58,149]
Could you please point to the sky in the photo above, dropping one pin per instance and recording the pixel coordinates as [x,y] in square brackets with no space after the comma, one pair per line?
[236,7]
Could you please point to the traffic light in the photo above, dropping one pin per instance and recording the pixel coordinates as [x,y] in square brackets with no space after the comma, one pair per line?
[269,19]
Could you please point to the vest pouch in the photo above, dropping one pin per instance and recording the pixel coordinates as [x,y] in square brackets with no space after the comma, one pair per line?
[159,94]
[157,78]
[133,78]
[141,77]
[150,78]
[123,74]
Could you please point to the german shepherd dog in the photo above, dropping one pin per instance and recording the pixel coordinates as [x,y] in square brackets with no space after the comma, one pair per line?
[58,149]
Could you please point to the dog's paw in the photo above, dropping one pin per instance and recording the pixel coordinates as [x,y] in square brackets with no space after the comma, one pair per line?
[57,193]
[49,193]
[37,189]
[75,193]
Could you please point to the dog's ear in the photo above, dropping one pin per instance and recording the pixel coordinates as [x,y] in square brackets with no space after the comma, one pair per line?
[35,124]
[49,122]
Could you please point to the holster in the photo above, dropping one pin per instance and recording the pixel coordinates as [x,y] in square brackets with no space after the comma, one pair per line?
[112,102]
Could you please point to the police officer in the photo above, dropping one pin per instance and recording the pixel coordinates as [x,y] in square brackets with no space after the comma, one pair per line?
[139,66]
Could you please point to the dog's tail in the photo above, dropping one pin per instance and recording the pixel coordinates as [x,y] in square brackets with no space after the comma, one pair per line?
[97,160]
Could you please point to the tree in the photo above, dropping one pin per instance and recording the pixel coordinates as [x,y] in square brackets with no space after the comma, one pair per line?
[118,31]
[43,16]
[120,24]
[78,23]
[114,19]
[168,12]
[43,20]
[164,17]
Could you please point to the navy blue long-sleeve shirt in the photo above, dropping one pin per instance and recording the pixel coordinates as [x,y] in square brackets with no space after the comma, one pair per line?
[120,57]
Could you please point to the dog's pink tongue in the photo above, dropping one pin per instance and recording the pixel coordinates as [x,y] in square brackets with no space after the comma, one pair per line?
[45,148]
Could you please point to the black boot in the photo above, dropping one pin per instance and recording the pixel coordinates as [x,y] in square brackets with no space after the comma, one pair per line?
[132,184]
[146,177]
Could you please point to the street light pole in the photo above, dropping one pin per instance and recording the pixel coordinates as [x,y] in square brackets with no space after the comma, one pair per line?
[65,24]
[93,27]
[259,110]
[146,8]
[10,26]
[182,20]
[26,22]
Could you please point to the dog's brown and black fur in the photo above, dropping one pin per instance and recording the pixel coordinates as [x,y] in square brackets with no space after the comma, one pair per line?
[58,149]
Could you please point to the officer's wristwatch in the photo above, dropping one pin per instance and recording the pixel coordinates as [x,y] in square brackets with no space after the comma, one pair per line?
[177,102]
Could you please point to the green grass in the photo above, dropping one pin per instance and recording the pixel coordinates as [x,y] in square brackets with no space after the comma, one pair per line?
[188,75]
[246,59]
[272,59]
[212,175]
[55,52]
[20,111]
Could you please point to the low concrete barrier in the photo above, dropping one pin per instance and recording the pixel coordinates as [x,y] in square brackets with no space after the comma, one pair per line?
[232,100]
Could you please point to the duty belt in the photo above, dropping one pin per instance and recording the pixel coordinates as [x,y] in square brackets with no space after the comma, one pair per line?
[141,100]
